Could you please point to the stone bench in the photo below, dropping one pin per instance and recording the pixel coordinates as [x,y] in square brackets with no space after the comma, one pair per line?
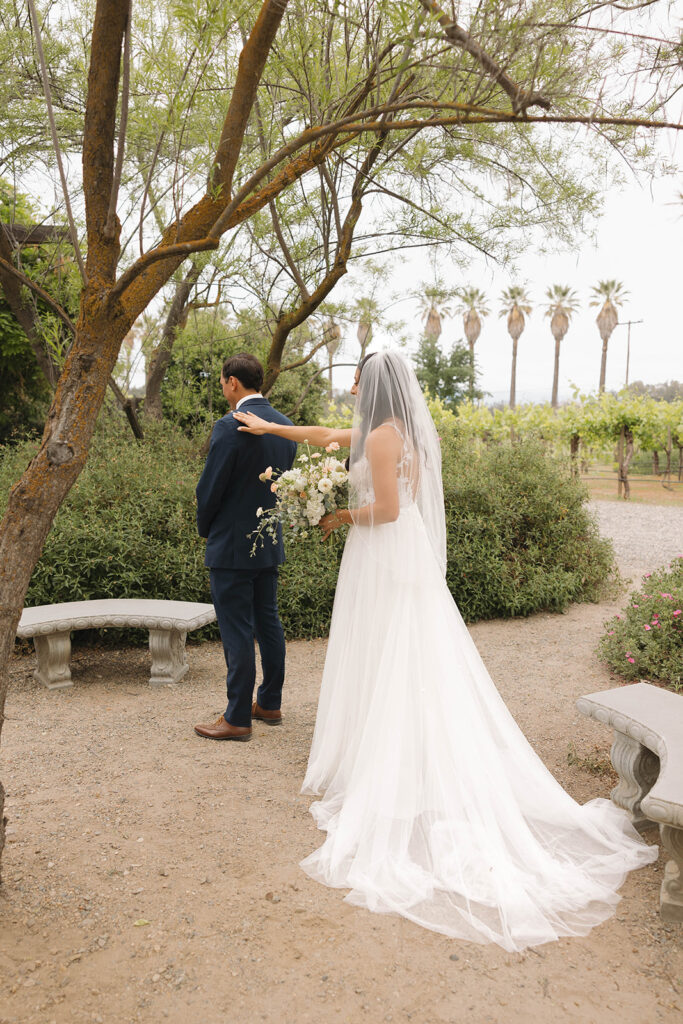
[168,623]
[647,754]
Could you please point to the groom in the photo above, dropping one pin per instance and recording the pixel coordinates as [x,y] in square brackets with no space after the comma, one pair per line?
[244,586]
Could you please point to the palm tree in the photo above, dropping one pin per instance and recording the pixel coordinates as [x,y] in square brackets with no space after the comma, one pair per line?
[332,334]
[608,295]
[515,304]
[473,306]
[563,302]
[434,300]
[366,313]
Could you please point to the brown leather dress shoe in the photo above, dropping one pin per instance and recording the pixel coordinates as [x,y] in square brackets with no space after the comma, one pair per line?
[222,730]
[263,715]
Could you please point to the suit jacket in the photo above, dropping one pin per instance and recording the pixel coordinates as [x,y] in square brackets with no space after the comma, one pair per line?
[229,490]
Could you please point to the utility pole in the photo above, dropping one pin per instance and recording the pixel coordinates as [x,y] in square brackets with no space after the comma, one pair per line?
[627,323]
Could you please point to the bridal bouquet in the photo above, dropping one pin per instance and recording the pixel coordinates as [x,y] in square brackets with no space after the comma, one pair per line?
[314,486]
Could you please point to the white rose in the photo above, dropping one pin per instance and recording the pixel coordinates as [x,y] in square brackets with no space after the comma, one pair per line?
[325,485]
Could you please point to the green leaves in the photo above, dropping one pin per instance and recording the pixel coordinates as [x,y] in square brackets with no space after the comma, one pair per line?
[646,639]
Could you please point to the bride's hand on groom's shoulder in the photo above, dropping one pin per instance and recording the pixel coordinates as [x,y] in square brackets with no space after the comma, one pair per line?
[251,424]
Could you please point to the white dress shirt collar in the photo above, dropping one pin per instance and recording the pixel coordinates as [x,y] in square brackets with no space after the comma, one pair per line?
[246,399]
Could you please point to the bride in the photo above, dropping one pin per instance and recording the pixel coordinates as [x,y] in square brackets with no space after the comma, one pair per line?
[434,804]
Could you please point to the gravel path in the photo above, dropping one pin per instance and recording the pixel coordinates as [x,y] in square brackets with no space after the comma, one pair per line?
[645,537]
[151,877]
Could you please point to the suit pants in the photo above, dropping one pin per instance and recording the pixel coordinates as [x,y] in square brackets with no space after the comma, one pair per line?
[246,607]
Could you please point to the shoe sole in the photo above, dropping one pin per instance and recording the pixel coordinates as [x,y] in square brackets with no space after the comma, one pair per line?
[267,721]
[236,739]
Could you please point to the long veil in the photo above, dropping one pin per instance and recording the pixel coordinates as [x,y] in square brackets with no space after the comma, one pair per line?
[389,392]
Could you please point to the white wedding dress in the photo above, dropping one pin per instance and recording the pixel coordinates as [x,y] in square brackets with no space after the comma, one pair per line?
[434,804]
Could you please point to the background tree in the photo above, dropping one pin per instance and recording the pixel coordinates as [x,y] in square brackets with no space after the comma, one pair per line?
[445,374]
[562,304]
[435,303]
[515,304]
[608,295]
[473,307]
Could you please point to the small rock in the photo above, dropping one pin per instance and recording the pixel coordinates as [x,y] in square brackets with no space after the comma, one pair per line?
[454,956]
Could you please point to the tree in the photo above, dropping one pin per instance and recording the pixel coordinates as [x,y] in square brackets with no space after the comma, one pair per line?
[500,70]
[473,306]
[515,304]
[446,375]
[435,305]
[562,304]
[608,295]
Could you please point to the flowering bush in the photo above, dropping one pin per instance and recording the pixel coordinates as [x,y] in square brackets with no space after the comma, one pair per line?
[646,640]
[314,486]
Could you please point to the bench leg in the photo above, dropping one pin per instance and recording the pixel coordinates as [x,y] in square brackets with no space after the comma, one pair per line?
[671,893]
[637,768]
[169,664]
[53,654]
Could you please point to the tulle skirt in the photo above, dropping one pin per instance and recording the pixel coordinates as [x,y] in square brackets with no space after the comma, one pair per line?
[435,806]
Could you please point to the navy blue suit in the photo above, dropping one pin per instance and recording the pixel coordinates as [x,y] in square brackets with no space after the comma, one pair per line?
[244,586]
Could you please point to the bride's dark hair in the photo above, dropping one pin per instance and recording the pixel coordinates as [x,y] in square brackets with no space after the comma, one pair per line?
[379,400]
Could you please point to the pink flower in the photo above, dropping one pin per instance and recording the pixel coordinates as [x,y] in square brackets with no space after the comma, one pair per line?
[679,611]
[636,606]
[632,660]
[273,488]
[647,575]
[333,446]
[647,627]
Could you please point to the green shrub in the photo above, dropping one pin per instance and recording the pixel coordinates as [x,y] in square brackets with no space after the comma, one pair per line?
[127,527]
[646,640]
[519,538]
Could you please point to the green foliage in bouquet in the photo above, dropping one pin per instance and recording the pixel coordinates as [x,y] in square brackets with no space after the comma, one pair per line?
[646,640]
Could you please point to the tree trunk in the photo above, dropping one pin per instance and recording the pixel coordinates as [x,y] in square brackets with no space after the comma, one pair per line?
[556,374]
[513,374]
[36,498]
[471,388]
[161,357]
[625,455]
[680,463]
[574,443]
[603,366]
[655,463]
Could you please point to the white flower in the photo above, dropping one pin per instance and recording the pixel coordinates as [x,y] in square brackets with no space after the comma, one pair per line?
[325,485]
[259,511]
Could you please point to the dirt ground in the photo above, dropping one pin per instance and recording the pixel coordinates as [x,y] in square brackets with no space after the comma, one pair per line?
[152,876]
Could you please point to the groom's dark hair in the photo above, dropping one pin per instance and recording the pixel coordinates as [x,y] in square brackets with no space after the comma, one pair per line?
[246,368]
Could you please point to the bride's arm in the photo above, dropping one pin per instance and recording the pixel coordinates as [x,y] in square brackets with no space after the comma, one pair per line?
[319,437]
[383,449]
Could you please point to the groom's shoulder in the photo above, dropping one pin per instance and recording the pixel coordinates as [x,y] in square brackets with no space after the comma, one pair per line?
[268,412]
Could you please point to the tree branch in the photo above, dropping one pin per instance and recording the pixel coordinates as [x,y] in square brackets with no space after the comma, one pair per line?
[521,99]
[55,138]
[9,268]
[110,227]
[111,18]
[251,64]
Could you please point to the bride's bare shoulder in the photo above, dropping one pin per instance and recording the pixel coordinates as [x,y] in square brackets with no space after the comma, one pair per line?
[384,438]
